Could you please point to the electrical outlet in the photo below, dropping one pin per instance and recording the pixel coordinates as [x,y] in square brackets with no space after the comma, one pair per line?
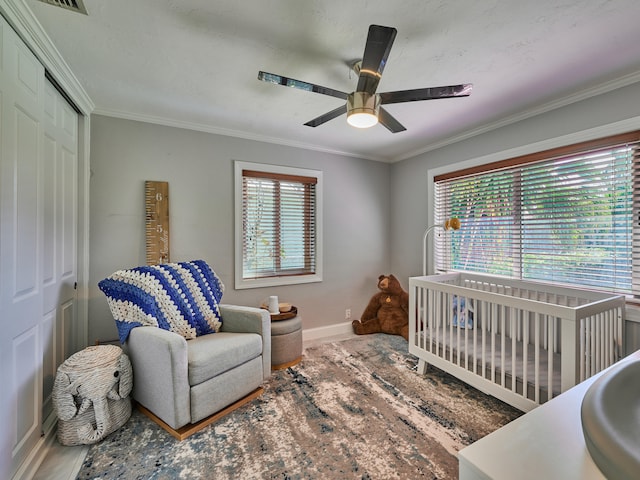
[347,314]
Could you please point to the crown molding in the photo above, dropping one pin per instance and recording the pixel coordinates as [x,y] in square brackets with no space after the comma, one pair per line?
[605,87]
[27,26]
[201,127]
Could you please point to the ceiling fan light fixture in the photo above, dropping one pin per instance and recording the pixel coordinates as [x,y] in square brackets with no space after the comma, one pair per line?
[362,120]
[362,109]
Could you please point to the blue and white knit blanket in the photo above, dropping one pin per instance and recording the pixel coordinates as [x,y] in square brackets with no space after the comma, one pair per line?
[180,297]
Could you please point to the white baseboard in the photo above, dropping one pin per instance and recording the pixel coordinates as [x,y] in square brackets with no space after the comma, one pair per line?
[320,333]
[51,460]
[32,462]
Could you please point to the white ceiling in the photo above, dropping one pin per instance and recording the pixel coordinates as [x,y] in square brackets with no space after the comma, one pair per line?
[194,63]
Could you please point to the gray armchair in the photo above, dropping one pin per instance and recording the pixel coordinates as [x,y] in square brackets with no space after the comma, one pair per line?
[193,358]
[182,382]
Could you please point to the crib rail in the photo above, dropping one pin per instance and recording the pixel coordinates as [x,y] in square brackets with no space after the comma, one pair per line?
[521,342]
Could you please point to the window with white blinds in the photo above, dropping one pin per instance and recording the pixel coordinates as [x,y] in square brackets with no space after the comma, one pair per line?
[564,216]
[279,228]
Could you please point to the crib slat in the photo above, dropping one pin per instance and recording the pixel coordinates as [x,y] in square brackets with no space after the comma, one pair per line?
[474,331]
[545,333]
[584,348]
[457,330]
[595,363]
[602,346]
[502,346]
[600,341]
[424,320]
[594,337]
[494,320]
[514,348]
[440,321]
[524,320]
[550,351]
[467,352]
[431,325]
[590,349]
[485,332]
[610,321]
[613,333]
[536,363]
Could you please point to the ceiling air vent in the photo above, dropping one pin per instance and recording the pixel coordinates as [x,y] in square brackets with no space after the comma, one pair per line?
[73,5]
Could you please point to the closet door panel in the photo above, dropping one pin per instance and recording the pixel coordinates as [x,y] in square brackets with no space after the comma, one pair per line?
[26,361]
[21,237]
[68,201]
[49,361]
[60,187]
[25,215]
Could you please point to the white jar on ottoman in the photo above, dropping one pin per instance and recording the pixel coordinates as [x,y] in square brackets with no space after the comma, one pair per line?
[91,394]
[286,342]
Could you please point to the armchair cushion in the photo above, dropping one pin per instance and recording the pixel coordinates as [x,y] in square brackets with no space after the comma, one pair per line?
[211,355]
[180,297]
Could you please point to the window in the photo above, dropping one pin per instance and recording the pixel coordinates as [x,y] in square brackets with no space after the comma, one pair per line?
[278,225]
[564,216]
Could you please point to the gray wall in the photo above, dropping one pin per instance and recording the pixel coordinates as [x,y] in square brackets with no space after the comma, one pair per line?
[199,169]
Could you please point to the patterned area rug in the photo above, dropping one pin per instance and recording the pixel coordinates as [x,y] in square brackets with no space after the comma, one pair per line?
[354,409]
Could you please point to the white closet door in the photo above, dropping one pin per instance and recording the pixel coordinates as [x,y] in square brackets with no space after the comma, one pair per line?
[38,221]
[59,255]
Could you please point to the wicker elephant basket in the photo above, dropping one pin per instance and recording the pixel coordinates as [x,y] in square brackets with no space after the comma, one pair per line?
[91,394]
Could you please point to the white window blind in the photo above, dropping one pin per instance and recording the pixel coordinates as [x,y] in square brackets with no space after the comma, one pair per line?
[279,236]
[554,217]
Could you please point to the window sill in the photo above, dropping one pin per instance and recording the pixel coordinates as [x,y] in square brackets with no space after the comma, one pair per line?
[241,284]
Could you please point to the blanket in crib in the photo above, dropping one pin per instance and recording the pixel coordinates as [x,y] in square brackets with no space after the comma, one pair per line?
[180,297]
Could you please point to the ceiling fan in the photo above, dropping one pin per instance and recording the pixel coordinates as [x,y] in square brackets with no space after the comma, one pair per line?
[363,107]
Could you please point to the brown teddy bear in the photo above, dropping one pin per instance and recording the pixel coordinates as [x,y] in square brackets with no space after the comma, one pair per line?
[388,310]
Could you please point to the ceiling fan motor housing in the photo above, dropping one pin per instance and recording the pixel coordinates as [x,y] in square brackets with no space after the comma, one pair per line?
[362,105]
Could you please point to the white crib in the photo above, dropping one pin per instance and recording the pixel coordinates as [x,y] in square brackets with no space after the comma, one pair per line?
[522,342]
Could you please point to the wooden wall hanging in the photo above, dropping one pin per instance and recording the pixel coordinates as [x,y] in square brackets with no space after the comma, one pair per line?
[156,202]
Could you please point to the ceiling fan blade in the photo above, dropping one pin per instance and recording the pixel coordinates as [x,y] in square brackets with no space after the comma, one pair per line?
[431,93]
[386,119]
[327,116]
[376,51]
[299,84]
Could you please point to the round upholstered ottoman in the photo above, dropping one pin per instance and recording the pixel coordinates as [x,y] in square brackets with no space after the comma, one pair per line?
[286,342]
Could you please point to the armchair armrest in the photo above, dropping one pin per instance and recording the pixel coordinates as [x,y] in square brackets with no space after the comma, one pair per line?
[241,319]
[160,373]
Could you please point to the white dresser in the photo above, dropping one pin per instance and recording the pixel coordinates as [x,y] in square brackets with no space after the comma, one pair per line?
[546,443]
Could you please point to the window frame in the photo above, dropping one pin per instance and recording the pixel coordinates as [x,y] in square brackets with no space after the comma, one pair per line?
[274,170]
[590,138]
